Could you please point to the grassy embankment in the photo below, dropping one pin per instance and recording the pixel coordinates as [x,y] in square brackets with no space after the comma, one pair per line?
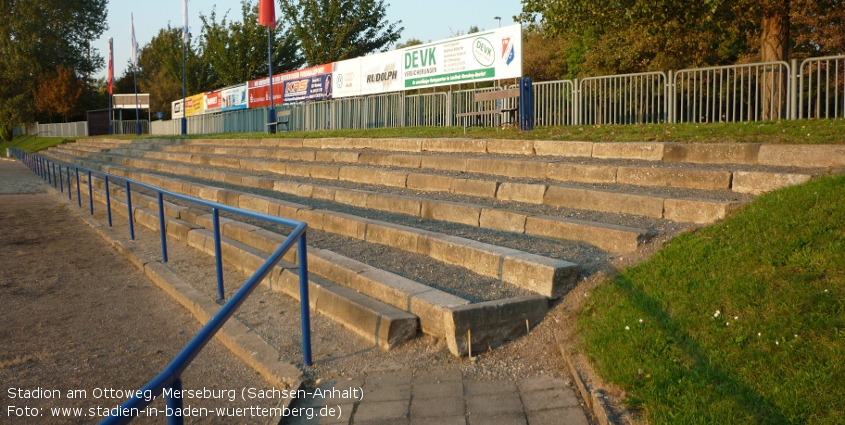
[34,144]
[741,322]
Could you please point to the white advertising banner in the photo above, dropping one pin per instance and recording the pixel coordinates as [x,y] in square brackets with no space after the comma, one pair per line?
[347,78]
[382,73]
[482,56]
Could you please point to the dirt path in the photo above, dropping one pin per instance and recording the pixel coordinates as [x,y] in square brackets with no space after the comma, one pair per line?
[75,315]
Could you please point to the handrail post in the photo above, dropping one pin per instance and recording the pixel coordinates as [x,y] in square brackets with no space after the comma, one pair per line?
[793,89]
[129,210]
[51,178]
[61,181]
[78,197]
[161,226]
[67,175]
[90,194]
[174,404]
[304,306]
[218,253]
[108,199]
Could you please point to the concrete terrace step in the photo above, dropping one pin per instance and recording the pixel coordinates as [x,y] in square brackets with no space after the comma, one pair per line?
[380,323]
[540,274]
[686,209]
[609,237]
[653,175]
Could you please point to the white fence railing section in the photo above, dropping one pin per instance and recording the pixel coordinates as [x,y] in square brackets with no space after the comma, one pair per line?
[814,88]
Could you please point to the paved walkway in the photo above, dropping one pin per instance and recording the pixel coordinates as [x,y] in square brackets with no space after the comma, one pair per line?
[438,397]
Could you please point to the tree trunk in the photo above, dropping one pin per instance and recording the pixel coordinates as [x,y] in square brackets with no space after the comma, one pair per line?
[774,46]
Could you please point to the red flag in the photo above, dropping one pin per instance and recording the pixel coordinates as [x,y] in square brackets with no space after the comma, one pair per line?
[267,13]
[111,66]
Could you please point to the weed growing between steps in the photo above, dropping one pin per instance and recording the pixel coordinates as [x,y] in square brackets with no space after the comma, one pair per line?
[742,322]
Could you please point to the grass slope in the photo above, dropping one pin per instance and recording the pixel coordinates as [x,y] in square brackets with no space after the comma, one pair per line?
[741,322]
[34,144]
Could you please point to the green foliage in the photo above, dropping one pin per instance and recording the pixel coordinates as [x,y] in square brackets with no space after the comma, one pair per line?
[740,322]
[410,42]
[335,30]
[237,51]
[37,36]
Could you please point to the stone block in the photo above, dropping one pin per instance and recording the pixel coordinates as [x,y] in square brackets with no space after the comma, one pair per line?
[474,187]
[609,237]
[393,235]
[453,212]
[392,178]
[359,175]
[405,161]
[293,188]
[649,151]
[448,163]
[806,156]
[583,173]
[604,200]
[324,192]
[429,182]
[479,257]
[563,148]
[521,192]
[324,172]
[699,211]
[352,197]
[508,167]
[760,182]
[675,177]
[344,224]
[545,276]
[492,323]
[509,221]
[454,145]
[394,203]
[510,147]
[712,153]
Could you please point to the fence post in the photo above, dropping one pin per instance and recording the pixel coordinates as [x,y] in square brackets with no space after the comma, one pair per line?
[108,199]
[670,97]
[90,194]
[61,180]
[174,404]
[218,253]
[161,226]
[304,306]
[129,209]
[78,197]
[576,102]
[67,174]
[793,89]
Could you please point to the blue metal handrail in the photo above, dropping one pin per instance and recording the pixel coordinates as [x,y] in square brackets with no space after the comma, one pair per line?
[170,377]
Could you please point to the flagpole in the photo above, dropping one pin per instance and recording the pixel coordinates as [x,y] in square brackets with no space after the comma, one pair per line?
[271,118]
[184,64]
[135,78]
[111,83]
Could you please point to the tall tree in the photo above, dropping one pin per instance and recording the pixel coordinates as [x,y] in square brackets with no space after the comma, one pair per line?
[38,36]
[334,30]
[236,51]
[59,92]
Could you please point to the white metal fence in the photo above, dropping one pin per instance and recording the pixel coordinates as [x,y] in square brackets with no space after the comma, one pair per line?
[67,129]
[815,88]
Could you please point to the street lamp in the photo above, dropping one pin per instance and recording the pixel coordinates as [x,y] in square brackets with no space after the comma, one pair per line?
[498,18]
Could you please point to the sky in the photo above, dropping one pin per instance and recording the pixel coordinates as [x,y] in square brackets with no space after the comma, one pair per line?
[428,20]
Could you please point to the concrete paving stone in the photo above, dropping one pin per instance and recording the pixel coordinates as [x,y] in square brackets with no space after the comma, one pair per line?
[451,420]
[760,182]
[477,387]
[437,407]
[343,412]
[396,204]
[345,224]
[387,393]
[541,383]
[552,398]
[429,182]
[383,422]
[700,211]
[504,419]
[521,192]
[481,258]
[802,155]
[375,158]
[494,405]
[335,156]
[359,175]
[507,220]
[649,151]
[672,177]
[563,148]
[568,416]
[474,187]
[324,172]
[278,168]
[454,212]
[430,306]
[454,145]
[405,161]
[399,378]
[293,188]
[712,153]
[510,147]
[604,200]
[323,192]
[437,376]
[452,390]
[438,162]
[583,173]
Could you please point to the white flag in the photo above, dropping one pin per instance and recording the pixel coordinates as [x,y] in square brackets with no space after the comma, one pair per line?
[134,45]
[185,21]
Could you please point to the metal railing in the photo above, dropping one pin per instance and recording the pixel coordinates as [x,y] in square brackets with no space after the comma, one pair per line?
[170,377]
[749,92]
[821,91]
[622,99]
[67,129]
[554,103]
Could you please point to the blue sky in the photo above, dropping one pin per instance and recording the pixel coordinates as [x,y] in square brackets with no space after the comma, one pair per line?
[429,20]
